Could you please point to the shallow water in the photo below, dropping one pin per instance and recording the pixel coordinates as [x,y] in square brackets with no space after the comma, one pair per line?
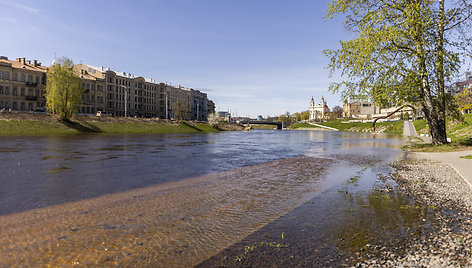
[247,180]
[42,171]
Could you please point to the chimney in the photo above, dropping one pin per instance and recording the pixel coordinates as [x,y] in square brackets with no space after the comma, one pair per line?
[35,63]
[4,57]
[23,61]
[29,62]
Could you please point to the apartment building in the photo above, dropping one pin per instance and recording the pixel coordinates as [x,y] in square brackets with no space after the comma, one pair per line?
[198,105]
[183,103]
[126,94]
[22,84]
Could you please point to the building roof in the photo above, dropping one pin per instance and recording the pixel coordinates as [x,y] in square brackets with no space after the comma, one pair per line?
[120,74]
[28,65]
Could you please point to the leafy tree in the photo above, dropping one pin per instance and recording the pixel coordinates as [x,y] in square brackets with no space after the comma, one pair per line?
[403,52]
[337,112]
[464,99]
[63,91]
[181,110]
[213,119]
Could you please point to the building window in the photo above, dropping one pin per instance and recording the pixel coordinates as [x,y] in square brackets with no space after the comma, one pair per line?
[22,92]
[1,75]
[83,85]
[7,105]
[7,91]
[30,92]
[6,75]
[88,86]
[30,106]
[15,77]
[37,92]
[22,78]
[15,93]
[1,105]
[14,108]
[93,87]
[30,78]
[1,89]
[22,106]
[37,80]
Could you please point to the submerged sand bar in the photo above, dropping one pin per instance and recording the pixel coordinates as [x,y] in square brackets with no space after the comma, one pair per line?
[172,224]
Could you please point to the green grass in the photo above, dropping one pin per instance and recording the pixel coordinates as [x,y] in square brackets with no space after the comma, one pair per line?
[262,126]
[467,156]
[395,127]
[302,125]
[54,127]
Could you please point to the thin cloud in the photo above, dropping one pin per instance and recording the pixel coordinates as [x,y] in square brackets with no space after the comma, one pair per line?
[28,9]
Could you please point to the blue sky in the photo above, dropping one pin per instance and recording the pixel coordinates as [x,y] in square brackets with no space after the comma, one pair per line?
[255,57]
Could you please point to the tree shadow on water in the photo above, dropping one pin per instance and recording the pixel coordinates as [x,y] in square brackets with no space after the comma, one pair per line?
[81,127]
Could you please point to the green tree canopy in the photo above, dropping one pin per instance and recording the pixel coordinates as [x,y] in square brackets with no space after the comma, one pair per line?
[63,91]
[403,52]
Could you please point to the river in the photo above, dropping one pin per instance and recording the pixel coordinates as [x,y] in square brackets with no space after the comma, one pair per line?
[166,200]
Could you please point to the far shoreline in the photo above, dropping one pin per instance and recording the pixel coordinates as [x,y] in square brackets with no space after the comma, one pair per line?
[34,124]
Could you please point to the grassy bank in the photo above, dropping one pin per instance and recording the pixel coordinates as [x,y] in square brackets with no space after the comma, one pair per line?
[385,127]
[459,132]
[48,125]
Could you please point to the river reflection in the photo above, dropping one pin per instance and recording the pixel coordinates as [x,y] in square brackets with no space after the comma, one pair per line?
[41,171]
[172,200]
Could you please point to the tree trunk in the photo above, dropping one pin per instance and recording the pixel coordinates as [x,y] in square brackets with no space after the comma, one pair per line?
[438,129]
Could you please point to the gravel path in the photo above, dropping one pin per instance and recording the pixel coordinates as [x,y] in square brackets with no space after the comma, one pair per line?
[448,243]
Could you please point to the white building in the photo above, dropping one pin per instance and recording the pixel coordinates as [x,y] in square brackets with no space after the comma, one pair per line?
[318,111]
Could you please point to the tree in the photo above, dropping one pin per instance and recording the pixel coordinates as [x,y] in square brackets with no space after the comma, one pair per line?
[180,109]
[213,119]
[404,52]
[337,112]
[464,99]
[63,91]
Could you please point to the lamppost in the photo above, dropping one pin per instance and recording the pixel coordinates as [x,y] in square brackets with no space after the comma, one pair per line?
[198,119]
[126,101]
[167,110]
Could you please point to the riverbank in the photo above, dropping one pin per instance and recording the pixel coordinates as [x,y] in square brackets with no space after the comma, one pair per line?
[446,240]
[44,124]
[395,127]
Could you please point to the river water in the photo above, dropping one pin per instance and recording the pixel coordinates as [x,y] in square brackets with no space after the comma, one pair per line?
[166,200]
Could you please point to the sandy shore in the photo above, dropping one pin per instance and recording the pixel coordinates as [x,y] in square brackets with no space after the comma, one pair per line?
[176,224]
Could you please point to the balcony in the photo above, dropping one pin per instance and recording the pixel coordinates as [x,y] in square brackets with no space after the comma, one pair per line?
[31,98]
[31,84]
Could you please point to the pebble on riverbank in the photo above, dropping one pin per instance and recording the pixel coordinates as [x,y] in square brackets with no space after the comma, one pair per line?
[449,241]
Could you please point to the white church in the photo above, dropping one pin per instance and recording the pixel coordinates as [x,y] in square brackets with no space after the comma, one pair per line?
[318,111]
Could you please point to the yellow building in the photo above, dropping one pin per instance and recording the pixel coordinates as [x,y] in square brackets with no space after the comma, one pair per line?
[125,94]
[22,84]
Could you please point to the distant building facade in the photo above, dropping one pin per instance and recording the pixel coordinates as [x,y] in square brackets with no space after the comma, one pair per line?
[22,85]
[105,91]
[125,94]
[318,111]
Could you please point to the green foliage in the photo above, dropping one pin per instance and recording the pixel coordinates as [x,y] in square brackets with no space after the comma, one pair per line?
[63,92]
[464,99]
[403,51]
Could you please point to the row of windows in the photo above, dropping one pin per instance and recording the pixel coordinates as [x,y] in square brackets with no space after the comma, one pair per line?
[21,106]
[31,78]
[31,92]
[88,86]
[88,99]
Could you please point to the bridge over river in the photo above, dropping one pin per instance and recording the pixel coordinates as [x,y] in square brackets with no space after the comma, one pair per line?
[254,122]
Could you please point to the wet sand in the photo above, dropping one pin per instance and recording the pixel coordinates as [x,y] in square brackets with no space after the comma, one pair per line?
[176,224]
